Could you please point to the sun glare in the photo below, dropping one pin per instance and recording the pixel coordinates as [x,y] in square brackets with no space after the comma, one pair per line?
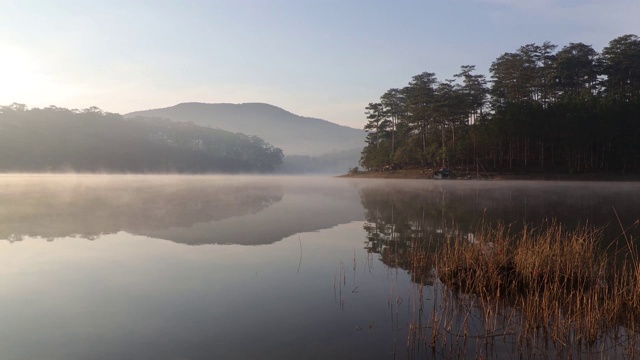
[20,76]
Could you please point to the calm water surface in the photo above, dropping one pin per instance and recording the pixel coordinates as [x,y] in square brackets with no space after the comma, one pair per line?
[217,267]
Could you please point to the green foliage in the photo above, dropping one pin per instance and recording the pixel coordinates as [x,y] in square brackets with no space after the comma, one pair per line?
[570,110]
[375,157]
[409,154]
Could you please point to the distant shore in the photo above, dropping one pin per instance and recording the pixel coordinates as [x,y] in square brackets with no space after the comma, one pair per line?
[461,175]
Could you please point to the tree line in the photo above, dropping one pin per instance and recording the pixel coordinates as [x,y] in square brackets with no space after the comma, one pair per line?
[57,139]
[543,109]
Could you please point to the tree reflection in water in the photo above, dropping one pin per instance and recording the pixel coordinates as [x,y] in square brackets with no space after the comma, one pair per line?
[407,225]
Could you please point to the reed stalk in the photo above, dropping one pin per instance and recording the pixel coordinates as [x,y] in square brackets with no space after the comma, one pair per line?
[549,290]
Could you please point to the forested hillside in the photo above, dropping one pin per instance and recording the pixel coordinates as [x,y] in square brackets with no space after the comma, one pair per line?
[543,109]
[58,139]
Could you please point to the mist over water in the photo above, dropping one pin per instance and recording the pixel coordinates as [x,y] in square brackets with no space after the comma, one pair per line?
[248,210]
[252,210]
[173,271]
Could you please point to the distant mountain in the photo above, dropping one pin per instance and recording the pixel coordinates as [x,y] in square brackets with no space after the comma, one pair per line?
[57,139]
[295,135]
[338,162]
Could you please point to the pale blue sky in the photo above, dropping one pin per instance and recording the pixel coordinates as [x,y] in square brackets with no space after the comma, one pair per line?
[324,59]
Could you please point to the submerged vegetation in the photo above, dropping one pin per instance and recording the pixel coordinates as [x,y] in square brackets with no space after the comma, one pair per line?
[573,110]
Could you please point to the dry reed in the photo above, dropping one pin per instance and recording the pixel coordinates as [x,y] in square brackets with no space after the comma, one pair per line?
[547,291]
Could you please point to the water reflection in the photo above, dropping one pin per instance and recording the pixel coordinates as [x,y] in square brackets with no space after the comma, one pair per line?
[403,213]
[318,289]
[184,209]
[407,222]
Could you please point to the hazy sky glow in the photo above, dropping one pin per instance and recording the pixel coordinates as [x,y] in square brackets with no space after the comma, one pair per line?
[324,59]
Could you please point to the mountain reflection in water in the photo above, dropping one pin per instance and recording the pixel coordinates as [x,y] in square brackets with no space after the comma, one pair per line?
[184,209]
[334,281]
[217,209]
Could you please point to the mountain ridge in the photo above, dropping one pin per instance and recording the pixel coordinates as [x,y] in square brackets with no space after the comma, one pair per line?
[295,134]
[266,105]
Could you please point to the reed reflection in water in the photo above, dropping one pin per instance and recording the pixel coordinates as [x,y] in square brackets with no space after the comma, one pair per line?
[514,269]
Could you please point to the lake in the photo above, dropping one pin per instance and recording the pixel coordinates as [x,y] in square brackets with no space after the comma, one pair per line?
[249,267]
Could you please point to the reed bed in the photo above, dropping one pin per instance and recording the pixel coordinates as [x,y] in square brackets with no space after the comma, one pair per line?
[546,292]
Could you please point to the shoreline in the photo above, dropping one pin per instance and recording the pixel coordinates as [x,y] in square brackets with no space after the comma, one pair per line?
[428,174]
